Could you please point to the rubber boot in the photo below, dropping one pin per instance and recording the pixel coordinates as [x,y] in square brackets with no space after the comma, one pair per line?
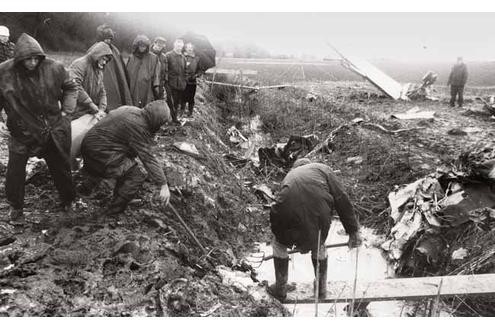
[279,288]
[322,285]
[118,205]
[16,217]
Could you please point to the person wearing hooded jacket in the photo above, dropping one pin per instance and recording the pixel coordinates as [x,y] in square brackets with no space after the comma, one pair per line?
[110,147]
[39,98]
[115,76]
[87,71]
[303,210]
[144,72]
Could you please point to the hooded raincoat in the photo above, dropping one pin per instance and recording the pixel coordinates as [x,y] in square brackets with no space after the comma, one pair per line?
[144,71]
[115,76]
[89,77]
[125,133]
[34,101]
[305,205]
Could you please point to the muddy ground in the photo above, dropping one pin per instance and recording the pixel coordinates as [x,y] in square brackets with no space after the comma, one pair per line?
[143,263]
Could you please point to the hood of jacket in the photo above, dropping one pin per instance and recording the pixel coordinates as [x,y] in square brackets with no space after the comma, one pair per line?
[99,50]
[104,32]
[156,114]
[26,47]
[141,39]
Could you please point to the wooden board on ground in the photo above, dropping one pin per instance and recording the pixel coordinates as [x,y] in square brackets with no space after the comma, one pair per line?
[398,289]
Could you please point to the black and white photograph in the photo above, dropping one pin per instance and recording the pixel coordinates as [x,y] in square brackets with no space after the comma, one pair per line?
[200,163]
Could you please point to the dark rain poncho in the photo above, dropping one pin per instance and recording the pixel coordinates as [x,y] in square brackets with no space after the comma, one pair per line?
[144,73]
[31,99]
[89,77]
[124,133]
[115,78]
[305,205]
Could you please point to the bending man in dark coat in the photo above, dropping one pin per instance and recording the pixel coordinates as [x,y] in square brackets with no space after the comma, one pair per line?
[457,80]
[109,150]
[144,72]
[310,192]
[176,77]
[115,77]
[31,87]
[87,71]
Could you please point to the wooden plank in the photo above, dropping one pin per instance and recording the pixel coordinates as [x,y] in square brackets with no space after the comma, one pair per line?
[399,289]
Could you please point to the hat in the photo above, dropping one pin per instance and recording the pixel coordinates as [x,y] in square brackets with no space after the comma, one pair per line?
[159,39]
[104,32]
[4,30]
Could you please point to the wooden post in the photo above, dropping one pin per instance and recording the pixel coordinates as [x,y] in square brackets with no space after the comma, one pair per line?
[317,274]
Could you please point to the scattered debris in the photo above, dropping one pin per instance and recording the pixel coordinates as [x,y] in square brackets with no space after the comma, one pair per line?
[187,148]
[264,192]
[235,136]
[423,90]
[459,254]
[424,210]
[356,160]
[413,114]
[284,154]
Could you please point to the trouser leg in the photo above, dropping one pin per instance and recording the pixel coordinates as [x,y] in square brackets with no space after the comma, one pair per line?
[15,179]
[453,93]
[191,97]
[129,183]
[460,99]
[61,173]
[170,103]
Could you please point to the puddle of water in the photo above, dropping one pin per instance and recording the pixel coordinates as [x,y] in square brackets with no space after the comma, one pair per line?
[341,266]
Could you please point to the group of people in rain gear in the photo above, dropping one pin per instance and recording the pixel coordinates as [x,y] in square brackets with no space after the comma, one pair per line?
[41,98]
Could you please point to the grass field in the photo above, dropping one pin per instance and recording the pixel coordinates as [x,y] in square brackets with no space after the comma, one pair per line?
[481,74]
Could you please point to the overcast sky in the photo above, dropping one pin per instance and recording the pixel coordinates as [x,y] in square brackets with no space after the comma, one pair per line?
[401,36]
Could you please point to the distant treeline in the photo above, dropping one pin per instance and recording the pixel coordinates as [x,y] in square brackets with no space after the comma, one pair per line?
[75,32]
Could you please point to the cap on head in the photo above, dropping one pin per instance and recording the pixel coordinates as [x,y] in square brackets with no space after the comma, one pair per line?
[301,162]
[4,31]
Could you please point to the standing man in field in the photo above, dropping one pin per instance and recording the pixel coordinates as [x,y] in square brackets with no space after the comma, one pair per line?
[457,80]
[303,209]
[176,79]
[87,71]
[6,47]
[110,148]
[39,98]
[115,76]
[158,48]
[144,72]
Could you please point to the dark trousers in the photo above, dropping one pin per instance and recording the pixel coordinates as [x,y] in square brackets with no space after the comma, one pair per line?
[128,176]
[188,97]
[16,175]
[174,100]
[456,91]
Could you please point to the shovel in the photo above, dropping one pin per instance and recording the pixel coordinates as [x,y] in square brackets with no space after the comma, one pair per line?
[258,260]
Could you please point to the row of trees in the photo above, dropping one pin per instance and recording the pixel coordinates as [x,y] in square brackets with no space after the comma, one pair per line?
[76,31]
